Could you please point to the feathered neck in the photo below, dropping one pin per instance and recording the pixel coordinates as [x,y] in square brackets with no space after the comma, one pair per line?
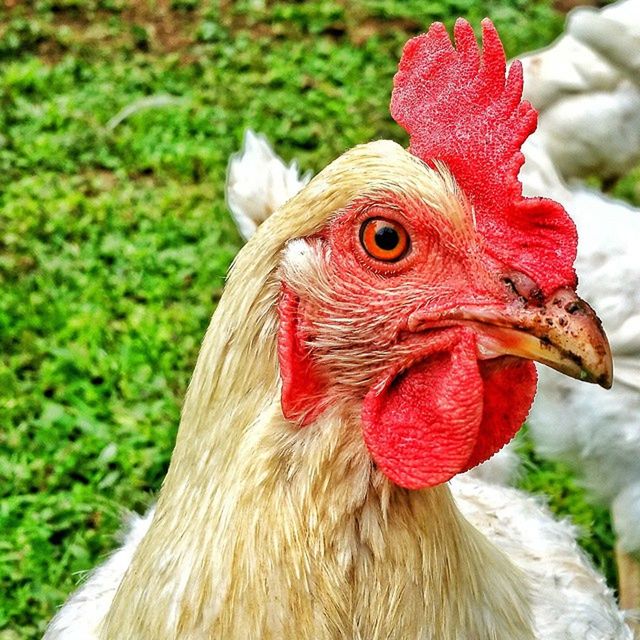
[264,530]
[307,540]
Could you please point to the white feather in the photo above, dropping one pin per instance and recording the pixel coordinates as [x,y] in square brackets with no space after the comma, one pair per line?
[570,599]
[82,614]
[258,182]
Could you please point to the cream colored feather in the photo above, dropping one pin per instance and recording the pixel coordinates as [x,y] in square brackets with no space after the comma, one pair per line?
[263,530]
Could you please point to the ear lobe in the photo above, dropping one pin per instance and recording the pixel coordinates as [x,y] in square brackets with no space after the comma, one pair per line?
[303,390]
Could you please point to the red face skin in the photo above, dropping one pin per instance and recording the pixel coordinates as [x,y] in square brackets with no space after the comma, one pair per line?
[421,343]
[392,336]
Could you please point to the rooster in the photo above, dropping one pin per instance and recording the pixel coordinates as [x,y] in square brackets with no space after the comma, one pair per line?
[586,119]
[374,340]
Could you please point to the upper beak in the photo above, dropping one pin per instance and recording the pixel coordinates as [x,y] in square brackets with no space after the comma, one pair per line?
[563,333]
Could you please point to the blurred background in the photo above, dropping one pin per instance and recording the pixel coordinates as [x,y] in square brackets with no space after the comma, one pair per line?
[117,120]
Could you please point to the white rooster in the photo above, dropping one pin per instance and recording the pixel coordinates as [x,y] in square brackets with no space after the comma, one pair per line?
[586,88]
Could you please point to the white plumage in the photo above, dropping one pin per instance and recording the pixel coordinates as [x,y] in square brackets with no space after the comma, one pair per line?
[262,185]
[571,600]
[586,88]
[81,615]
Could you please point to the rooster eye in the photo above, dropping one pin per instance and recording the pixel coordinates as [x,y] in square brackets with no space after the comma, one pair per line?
[384,240]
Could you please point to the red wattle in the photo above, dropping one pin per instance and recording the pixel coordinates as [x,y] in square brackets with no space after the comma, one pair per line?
[422,427]
[446,413]
[509,389]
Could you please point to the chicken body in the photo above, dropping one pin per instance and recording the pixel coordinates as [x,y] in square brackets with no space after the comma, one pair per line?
[323,545]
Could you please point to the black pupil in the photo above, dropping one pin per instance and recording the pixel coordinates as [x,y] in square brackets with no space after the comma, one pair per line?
[387,238]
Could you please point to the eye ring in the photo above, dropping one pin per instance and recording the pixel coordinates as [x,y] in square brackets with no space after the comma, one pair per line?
[384,240]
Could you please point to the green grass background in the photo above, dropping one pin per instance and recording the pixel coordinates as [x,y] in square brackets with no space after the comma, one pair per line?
[114,241]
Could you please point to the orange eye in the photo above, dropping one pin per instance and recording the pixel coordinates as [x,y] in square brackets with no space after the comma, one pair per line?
[384,240]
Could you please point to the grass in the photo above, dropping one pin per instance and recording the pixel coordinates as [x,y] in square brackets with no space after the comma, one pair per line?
[115,241]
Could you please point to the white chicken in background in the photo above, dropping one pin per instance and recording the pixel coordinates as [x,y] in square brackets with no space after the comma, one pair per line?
[258,182]
[598,435]
[586,89]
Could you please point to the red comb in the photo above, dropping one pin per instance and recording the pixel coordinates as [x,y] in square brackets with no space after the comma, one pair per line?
[460,109]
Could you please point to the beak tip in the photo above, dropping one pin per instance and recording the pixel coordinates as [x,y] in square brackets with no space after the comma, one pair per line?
[586,343]
[601,373]
[605,380]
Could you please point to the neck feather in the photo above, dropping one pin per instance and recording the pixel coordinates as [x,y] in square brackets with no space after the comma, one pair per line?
[301,535]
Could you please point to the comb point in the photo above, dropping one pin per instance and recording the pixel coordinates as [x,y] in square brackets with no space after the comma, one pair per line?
[439,36]
[467,45]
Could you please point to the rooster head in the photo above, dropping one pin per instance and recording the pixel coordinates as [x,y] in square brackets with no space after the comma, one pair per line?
[429,284]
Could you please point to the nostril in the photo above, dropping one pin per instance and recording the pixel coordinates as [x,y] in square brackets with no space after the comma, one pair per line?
[510,285]
[524,287]
[573,307]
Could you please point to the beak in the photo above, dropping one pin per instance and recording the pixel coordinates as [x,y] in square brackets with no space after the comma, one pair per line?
[563,333]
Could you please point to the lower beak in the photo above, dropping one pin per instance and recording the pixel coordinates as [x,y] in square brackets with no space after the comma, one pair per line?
[563,333]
